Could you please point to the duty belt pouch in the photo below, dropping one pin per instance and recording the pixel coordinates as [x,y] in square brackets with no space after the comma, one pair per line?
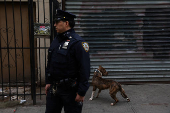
[71,83]
[54,88]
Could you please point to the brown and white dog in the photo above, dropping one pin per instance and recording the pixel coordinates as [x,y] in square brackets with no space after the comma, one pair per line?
[101,84]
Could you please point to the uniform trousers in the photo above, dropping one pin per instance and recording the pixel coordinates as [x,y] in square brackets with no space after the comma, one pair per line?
[64,97]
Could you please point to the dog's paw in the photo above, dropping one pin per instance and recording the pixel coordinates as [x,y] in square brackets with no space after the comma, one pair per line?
[111,104]
[128,99]
[90,99]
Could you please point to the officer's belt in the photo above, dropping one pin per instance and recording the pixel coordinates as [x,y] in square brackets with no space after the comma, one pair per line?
[67,80]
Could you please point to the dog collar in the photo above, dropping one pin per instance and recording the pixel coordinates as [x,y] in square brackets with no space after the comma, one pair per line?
[96,70]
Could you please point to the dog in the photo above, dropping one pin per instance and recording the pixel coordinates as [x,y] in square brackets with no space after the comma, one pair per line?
[101,84]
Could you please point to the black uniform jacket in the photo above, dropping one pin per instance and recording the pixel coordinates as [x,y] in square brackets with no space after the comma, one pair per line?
[69,58]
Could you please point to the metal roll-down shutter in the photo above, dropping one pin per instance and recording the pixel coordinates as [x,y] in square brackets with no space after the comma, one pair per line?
[131,38]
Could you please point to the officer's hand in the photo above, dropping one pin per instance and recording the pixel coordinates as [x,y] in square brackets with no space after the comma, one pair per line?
[47,88]
[79,98]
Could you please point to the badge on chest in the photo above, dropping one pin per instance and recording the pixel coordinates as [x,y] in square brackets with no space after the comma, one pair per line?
[65,45]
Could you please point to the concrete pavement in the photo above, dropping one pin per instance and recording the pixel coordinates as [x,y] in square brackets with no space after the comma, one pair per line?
[147,98]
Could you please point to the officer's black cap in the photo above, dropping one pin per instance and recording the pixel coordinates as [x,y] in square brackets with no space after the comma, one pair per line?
[63,15]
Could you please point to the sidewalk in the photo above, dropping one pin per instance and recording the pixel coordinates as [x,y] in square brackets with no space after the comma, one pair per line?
[148,98]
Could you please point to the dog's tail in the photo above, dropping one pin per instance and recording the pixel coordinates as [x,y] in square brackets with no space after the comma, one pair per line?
[123,92]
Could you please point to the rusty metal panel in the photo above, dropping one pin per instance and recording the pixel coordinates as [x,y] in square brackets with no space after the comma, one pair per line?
[131,38]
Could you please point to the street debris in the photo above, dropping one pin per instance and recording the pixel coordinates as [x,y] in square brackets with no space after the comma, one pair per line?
[22,101]
[13,98]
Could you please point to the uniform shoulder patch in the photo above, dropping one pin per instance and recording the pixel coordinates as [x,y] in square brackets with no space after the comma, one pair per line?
[85,46]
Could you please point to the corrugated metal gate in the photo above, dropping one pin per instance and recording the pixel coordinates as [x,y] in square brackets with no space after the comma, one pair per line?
[129,38]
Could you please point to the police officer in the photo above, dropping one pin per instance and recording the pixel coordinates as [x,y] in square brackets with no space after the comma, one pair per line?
[68,67]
